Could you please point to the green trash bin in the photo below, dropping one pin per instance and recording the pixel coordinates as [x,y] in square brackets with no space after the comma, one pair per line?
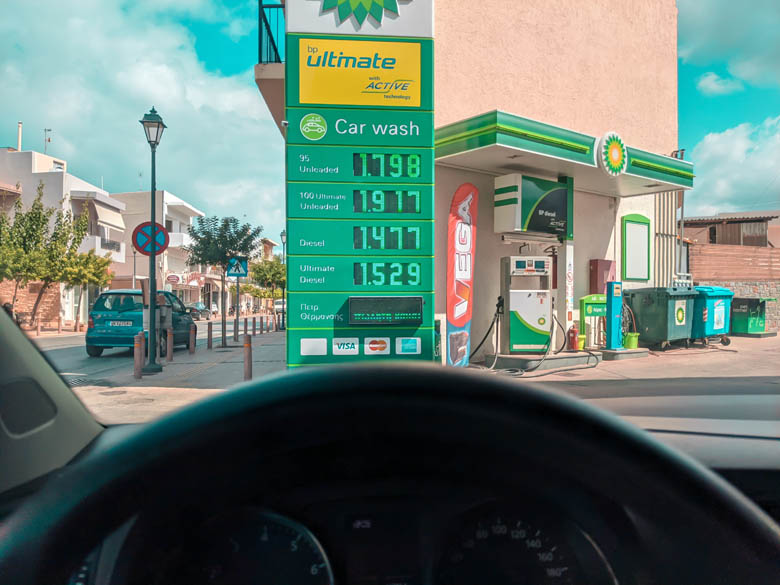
[663,314]
[711,313]
[748,316]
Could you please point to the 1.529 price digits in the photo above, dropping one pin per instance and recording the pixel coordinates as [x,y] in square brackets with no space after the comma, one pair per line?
[387,273]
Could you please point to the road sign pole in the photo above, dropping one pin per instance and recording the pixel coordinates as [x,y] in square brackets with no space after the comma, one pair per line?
[238,307]
[152,366]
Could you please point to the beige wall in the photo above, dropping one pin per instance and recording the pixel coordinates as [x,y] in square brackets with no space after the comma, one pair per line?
[587,65]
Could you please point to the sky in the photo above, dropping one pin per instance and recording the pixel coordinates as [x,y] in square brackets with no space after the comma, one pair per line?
[90,69]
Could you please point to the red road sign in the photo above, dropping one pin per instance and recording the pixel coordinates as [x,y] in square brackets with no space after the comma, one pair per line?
[145,242]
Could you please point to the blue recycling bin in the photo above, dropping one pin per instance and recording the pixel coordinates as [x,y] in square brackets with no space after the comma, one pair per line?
[711,313]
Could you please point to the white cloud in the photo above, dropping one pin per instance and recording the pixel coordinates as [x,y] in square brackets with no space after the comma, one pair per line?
[238,28]
[745,36]
[90,70]
[713,84]
[736,166]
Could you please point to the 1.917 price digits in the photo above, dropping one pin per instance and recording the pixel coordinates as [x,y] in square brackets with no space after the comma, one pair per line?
[382,201]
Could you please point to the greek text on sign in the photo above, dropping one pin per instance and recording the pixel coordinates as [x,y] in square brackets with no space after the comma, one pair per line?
[359,73]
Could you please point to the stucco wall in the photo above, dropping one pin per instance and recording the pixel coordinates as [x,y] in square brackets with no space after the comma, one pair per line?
[591,66]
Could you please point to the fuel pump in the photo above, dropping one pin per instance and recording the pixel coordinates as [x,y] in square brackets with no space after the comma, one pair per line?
[526,289]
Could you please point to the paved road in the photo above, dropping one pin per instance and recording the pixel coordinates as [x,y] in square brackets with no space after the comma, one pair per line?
[67,353]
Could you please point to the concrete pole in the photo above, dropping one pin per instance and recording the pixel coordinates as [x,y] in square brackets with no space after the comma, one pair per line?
[193,331]
[247,357]
[254,326]
[262,325]
[169,345]
[59,324]
[209,339]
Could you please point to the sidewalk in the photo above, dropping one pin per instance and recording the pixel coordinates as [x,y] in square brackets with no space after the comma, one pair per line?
[188,378]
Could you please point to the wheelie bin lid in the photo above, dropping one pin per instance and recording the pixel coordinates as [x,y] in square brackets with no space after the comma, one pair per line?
[715,291]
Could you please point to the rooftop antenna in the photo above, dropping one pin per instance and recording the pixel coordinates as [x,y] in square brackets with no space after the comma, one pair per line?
[46,139]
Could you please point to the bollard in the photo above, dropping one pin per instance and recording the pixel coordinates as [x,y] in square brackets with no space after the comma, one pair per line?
[246,325]
[254,326]
[59,325]
[138,355]
[247,357]
[209,339]
[262,325]
[193,333]
[235,329]
[273,322]
[169,345]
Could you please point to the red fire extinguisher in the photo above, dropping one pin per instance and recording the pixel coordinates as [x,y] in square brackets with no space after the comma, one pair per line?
[572,337]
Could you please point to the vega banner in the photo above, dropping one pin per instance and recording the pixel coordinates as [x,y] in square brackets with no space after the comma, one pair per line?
[461,242]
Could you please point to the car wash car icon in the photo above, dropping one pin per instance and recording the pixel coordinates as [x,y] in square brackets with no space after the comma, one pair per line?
[313,126]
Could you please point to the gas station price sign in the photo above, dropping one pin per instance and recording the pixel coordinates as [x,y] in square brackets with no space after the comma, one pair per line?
[360,174]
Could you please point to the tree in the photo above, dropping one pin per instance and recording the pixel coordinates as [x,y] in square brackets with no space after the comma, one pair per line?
[21,242]
[60,247]
[269,274]
[215,241]
[85,269]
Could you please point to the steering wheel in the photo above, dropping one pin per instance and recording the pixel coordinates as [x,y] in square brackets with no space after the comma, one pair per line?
[722,536]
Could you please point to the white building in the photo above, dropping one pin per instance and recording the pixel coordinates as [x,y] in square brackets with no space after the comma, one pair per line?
[20,174]
[189,283]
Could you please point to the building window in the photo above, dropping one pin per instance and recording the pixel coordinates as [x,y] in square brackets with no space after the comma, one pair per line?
[713,235]
[636,247]
[169,225]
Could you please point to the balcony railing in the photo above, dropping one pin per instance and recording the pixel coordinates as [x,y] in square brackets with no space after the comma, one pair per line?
[271,33]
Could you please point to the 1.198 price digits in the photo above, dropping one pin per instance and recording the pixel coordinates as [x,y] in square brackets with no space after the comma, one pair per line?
[378,164]
[387,273]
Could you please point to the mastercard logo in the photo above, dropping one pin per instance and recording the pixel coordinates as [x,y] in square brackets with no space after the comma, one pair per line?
[377,345]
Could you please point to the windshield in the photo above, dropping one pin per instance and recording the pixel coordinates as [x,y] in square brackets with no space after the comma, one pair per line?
[594,201]
[118,302]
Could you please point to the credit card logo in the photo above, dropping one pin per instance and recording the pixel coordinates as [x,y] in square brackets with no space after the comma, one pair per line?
[346,346]
[376,346]
[314,346]
[408,346]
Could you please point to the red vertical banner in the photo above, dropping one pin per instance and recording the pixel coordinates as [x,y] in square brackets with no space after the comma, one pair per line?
[461,243]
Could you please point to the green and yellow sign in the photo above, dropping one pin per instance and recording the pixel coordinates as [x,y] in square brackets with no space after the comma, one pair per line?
[360,174]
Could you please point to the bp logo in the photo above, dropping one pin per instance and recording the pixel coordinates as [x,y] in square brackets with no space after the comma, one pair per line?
[313,126]
[541,320]
[679,312]
[613,157]
[361,9]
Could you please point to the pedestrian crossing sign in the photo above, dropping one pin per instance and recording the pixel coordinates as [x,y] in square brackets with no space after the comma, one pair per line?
[238,266]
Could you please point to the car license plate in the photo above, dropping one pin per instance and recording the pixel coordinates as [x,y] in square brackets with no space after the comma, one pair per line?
[120,323]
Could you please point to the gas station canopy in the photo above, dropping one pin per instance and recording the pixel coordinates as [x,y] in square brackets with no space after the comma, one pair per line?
[501,144]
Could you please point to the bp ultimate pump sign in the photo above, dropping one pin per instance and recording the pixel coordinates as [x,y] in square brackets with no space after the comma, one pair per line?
[360,165]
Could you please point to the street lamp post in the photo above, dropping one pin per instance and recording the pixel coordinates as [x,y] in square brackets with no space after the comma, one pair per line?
[283,235]
[153,127]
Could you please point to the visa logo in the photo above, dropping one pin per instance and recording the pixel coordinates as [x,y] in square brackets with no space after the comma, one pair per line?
[346,346]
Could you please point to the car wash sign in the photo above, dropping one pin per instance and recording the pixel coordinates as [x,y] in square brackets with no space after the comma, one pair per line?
[360,174]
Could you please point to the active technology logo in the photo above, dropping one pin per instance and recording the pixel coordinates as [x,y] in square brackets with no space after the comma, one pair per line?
[313,127]
[376,346]
[360,9]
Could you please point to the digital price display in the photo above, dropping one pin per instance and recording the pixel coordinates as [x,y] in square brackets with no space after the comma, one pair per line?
[387,273]
[388,237]
[385,165]
[386,201]
[385,310]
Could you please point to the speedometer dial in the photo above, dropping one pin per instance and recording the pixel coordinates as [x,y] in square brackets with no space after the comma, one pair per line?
[514,548]
[256,547]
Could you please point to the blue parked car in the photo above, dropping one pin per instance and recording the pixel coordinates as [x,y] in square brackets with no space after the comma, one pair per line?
[117,316]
